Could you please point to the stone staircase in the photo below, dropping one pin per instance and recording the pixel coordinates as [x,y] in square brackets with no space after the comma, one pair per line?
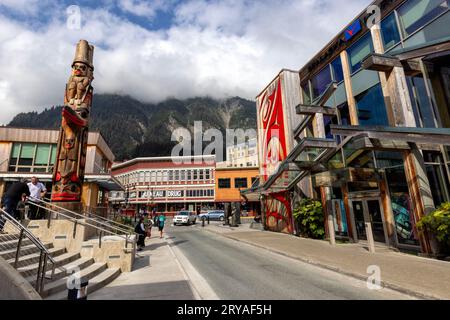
[55,288]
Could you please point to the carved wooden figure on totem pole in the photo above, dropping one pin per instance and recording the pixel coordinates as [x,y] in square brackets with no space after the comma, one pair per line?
[68,173]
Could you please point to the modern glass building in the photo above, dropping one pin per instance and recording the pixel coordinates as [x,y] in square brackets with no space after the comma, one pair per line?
[372,141]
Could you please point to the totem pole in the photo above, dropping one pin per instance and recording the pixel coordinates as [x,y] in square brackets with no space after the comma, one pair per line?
[68,173]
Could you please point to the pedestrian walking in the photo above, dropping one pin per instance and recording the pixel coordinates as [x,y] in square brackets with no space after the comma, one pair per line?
[162,221]
[37,192]
[156,220]
[149,227]
[140,230]
[13,195]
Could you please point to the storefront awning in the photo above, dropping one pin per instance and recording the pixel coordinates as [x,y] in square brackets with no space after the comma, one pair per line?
[106,182]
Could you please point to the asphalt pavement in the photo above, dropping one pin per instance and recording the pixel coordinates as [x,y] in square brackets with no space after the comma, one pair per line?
[240,271]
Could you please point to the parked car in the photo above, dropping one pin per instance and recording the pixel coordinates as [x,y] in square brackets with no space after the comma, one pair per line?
[218,215]
[185,217]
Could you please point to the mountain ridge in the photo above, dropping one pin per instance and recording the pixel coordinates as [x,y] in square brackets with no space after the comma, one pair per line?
[136,129]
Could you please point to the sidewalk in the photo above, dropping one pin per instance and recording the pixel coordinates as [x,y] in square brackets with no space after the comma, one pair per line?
[156,275]
[425,278]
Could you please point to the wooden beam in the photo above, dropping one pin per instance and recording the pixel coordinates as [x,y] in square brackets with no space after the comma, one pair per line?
[424,51]
[313,109]
[380,62]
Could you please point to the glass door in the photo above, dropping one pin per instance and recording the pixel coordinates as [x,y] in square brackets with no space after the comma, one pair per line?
[376,219]
[358,212]
[369,210]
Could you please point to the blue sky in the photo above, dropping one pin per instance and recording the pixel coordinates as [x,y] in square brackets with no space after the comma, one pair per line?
[156,49]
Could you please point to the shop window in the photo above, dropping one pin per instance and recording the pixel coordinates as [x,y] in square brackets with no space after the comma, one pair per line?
[415,14]
[338,73]
[390,32]
[320,82]
[422,106]
[405,224]
[437,177]
[359,51]
[224,183]
[371,107]
[240,183]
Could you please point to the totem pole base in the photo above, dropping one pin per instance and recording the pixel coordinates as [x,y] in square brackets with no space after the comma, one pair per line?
[76,207]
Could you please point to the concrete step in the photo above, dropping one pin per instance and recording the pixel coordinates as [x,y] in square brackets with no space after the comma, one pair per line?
[34,257]
[8,236]
[61,284]
[13,244]
[60,260]
[24,250]
[96,283]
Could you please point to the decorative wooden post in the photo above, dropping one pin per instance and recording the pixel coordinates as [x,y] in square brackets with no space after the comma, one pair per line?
[68,173]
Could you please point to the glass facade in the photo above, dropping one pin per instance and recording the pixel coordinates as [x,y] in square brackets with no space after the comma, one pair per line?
[320,82]
[371,107]
[390,32]
[415,14]
[359,51]
[422,104]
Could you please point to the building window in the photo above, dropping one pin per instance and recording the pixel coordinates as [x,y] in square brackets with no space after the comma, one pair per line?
[306,93]
[338,73]
[422,106]
[28,157]
[189,175]
[371,107]
[159,176]
[415,14]
[224,183]
[177,175]
[207,174]
[201,174]
[170,175]
[435,169]
[240,183]
[195,175]
[390,32]
[359,51]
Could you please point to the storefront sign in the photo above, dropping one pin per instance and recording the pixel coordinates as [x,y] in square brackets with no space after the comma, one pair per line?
[175,194]
[352,30]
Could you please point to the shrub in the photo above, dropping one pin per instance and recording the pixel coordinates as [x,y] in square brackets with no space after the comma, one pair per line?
[438,224]
[309,216]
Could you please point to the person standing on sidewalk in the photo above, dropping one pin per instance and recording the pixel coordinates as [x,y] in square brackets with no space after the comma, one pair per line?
[140,230]
[162,221]
[37,192]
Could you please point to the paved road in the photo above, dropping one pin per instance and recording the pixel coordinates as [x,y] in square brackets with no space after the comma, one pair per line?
[239,271]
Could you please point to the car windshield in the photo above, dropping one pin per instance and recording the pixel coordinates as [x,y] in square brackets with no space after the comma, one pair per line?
[183,214]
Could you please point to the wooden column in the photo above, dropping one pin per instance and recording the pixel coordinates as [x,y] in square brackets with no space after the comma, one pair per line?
[352,108]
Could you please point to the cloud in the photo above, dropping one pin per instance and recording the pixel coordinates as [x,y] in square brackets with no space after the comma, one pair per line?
[217,48]
[144,8]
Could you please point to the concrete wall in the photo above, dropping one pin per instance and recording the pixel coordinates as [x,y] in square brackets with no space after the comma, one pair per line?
[61,234]
[13,285]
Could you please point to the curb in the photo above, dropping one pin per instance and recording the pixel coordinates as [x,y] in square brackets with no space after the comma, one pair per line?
[335,269]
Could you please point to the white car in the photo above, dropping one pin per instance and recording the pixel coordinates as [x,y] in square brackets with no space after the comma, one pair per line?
[185,217]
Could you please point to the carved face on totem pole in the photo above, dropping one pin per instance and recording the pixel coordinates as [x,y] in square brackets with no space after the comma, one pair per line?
[68,175]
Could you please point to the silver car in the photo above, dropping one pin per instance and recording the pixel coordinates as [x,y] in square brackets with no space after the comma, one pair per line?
[185,217]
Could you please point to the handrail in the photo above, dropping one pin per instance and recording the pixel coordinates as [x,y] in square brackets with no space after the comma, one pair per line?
[44,253]
[34,200]
[77,221]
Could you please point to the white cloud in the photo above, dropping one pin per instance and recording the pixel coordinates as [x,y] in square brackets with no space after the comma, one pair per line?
[217,48]
[144,8]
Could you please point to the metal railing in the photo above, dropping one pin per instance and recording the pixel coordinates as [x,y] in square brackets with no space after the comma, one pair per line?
[103,228]
[19,234]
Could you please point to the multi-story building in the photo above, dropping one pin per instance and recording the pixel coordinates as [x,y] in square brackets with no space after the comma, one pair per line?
[242,155]
[25,153]
[168,184]
[367,132]
[230,181]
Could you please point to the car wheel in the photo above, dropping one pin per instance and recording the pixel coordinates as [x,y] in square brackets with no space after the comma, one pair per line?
[222,218]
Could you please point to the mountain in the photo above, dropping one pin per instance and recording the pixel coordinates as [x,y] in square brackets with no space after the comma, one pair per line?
[135,129]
